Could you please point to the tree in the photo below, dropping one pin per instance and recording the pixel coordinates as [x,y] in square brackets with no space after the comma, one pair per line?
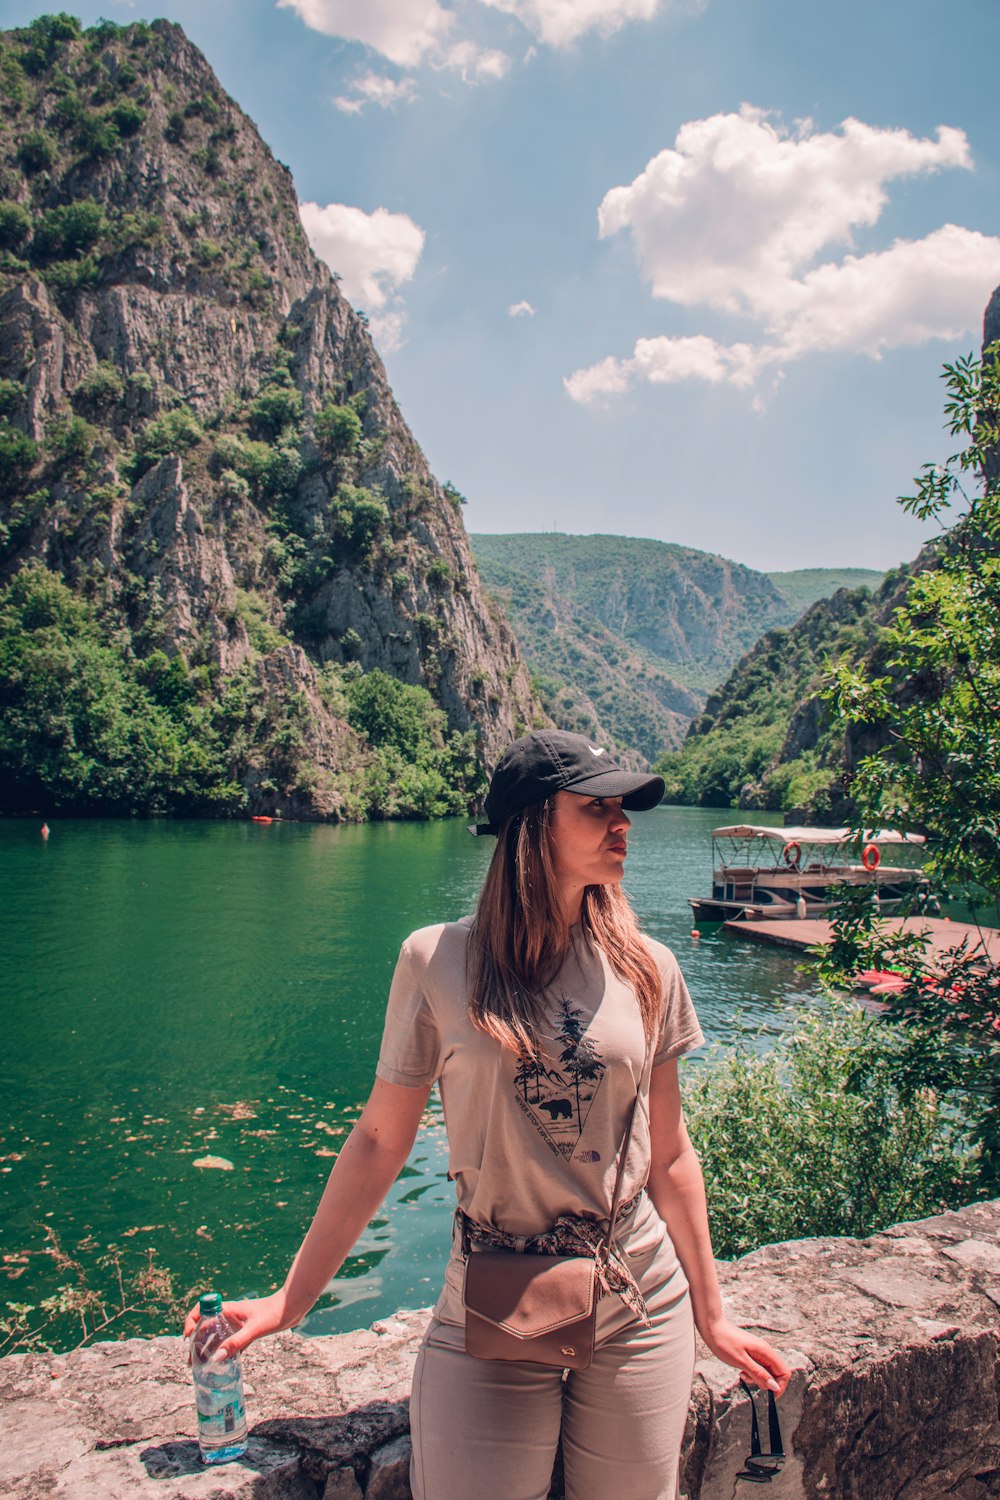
[933,709]
[579,1057]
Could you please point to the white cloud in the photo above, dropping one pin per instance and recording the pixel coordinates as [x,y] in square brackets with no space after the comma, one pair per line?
[740,205]
[374,255]
[667,361]
[474,63]
[404,31]
[374,88]
[387,329]
[932,288]
[609,377]
[407,32]
[559,23]
[412,33]
[520,310]
[736,216]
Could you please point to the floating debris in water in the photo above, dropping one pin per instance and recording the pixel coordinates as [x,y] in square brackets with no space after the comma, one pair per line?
[219,1162]
[243,1109]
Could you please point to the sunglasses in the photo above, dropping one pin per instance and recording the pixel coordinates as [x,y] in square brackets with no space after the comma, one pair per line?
[759,1467]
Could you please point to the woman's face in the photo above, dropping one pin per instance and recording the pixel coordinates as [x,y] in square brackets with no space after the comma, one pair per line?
[588,840]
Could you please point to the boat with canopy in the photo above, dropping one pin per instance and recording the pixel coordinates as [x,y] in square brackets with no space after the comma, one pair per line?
[760,871]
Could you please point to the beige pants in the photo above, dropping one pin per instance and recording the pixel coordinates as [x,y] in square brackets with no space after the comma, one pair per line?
[488,1430]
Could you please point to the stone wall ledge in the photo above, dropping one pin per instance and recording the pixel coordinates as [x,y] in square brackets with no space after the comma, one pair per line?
[895,1341]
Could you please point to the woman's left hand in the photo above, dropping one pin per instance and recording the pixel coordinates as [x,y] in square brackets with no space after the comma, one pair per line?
[753,1357]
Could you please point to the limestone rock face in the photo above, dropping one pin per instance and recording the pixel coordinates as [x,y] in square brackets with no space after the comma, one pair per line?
[195,294]
[894,1344]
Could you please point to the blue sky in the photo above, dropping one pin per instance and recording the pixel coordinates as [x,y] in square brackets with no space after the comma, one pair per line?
[628,268]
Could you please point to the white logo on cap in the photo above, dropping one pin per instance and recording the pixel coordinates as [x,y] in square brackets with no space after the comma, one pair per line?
[595,752]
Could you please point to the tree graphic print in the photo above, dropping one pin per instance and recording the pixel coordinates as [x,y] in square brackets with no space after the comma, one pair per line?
[529,1075]
[579,1058]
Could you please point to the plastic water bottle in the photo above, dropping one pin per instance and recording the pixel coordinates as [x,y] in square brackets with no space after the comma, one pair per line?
[218,1387]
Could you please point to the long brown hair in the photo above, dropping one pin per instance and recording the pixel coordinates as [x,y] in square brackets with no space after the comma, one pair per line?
[519,938]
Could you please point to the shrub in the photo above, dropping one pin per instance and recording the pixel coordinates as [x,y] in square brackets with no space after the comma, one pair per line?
[208,252]
[134,229]
[71,439]
[15,226]
[173,131]
[275,408]
[128,116]
[11,395]
[821,1135]
[102,32]
[175,432]
[68,113]
[102,386]
[38,152]
[48,31]
[273,473]
[17,453]
[68,230]
[357,516]
[70,275]
[337,429]
[45,36]
[439,575]
[97,136]
[251,609]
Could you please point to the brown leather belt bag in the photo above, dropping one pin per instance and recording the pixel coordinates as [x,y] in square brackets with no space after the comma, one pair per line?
[539,1308]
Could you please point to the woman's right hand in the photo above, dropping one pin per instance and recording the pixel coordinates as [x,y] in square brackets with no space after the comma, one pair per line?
[253,1318]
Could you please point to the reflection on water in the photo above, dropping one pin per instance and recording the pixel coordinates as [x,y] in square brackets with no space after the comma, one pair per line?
[177,991]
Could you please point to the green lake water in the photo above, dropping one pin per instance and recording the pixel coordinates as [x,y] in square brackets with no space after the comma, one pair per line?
[176,990]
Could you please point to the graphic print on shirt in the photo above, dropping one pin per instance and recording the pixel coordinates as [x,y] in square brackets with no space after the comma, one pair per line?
[557,1095]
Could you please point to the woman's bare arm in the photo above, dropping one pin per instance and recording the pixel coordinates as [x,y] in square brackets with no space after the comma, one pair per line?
[368,1164]
[677,1189]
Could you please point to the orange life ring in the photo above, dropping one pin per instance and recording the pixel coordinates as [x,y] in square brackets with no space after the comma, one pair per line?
[871,857]
[791,854]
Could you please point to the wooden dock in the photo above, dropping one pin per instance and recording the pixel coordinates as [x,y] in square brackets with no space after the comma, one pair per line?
[811,933]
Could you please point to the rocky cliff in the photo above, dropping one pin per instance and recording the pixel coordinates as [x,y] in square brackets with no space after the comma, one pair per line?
[197,437]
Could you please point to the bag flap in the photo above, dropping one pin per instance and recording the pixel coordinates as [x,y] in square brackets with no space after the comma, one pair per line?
[527,1295]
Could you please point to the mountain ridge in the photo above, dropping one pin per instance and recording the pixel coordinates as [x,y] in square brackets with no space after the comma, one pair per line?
[628,635]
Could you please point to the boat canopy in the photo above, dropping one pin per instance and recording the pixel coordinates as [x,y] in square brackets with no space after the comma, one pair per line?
[815,835]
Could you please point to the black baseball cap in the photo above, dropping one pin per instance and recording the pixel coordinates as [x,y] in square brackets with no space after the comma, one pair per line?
[552,760]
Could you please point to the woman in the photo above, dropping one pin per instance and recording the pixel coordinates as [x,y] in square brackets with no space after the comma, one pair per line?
[541,1019]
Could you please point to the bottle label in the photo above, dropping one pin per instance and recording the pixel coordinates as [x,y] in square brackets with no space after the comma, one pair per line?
[219,1400]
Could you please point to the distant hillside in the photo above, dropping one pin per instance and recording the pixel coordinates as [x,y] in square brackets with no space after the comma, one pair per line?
[627,636]
[763,740]
[805,585]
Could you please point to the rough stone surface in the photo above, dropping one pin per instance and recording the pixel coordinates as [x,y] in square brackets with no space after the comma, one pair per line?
[894,1342]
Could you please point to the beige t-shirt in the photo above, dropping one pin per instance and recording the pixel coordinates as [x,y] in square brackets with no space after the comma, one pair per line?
[529,1143]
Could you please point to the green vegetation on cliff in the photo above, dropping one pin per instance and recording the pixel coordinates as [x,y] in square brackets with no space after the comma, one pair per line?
[88,726]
